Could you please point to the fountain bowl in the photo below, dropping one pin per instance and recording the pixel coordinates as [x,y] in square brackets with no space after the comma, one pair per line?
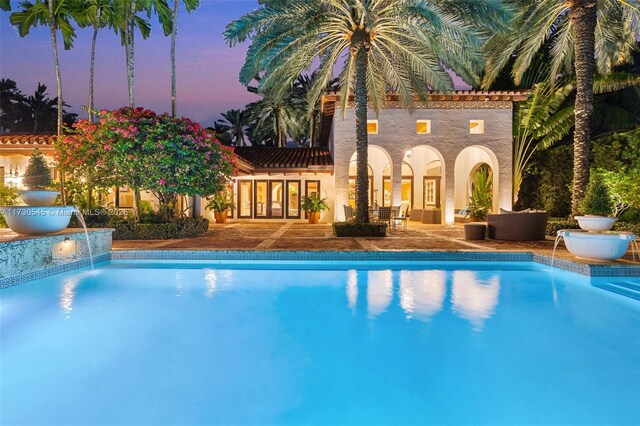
[39,197]
[31,220]
[595,223]
[597,247]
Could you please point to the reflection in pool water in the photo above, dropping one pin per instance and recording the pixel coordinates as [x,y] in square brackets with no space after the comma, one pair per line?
[379,292]
[422,293]
[352,289]
[67,294]
[474,298]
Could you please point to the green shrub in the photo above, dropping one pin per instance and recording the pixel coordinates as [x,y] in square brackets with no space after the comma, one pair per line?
[179,228]
[37,174]
[597,200]
[8,197]
[351,229]
[627,227]
[555,224]
[556,175]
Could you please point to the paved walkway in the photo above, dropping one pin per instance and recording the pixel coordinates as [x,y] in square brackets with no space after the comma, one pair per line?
[301,236]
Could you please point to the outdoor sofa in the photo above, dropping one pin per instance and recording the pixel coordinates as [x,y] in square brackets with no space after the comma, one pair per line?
[517,226]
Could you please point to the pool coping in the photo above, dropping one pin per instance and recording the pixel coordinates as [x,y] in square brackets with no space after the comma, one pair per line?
[591,270]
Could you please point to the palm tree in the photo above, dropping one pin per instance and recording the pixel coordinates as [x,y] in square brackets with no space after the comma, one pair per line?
[234,124]
[405,45]
[583,36]
[311,120]
[274,115]
[56,15]
[189,5]
[128,20]
[97,14]
[11,106]
[41,107]
[547,116]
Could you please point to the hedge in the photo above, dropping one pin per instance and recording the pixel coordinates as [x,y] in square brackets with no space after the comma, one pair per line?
[179,228]
[352,229]
[555,224]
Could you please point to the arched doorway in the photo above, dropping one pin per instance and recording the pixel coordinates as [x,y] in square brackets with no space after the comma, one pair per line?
[472,162]
[378,158]
[352,183]
[432,185]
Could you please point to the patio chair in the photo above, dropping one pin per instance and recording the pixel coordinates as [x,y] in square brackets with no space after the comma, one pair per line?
[397,218]
[348,212]
[384,215]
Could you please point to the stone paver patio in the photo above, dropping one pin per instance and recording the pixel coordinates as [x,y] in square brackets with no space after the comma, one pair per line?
[302,236]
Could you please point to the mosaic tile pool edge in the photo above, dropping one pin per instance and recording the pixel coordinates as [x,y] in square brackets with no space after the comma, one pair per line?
[53,270]
[584,269]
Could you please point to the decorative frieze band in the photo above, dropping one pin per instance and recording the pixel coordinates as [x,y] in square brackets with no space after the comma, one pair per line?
[446,105]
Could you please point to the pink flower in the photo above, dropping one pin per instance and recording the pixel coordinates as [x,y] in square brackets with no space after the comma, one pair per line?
[162,181]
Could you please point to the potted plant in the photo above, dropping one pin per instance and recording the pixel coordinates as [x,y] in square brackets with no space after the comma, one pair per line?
[481,199]
[313,205]
[37,178]
[596,206]
[220,204]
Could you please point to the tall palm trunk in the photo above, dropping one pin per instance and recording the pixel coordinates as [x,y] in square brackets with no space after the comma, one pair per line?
[279,131]
[583,17]
[54,41]
[129,52]
[92,70]
[362,173]
[174,32]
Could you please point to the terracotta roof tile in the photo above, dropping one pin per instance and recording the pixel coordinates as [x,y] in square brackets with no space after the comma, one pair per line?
[262,157]
[26,139]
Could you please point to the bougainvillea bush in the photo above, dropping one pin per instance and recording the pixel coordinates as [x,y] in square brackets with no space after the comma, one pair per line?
[150,152]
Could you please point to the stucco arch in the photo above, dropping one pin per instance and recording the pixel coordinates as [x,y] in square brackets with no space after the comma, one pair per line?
[468,160]
[418,158]
[377,159]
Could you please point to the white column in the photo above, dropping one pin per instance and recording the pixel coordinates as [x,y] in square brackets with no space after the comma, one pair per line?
[448,201]
[396,179]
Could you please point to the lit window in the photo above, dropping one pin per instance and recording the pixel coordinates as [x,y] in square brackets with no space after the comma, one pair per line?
[423,127]
[372,127]
[476,127]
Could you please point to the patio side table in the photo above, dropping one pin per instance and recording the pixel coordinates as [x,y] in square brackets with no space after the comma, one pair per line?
[475,231]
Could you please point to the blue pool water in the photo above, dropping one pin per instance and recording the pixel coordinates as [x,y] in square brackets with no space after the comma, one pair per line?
[336,344]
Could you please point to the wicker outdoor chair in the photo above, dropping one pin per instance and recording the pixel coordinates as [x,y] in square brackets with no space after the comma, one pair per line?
[524,226]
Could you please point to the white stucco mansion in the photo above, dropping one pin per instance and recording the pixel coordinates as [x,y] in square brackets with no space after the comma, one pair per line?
[418,160]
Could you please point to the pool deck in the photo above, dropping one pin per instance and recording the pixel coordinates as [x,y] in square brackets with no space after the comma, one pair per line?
[289,236]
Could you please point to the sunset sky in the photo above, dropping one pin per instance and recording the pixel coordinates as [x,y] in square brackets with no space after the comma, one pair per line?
[207,68]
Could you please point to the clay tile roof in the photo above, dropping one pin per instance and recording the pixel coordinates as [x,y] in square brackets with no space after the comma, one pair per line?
[264,157]
[13,139]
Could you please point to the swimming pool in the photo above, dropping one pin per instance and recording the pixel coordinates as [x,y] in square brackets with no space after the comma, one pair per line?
[154,342]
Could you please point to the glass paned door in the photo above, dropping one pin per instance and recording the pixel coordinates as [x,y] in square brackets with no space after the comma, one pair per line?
[431,192]
[276,202]
[293,199]
[244,198]
[269,199]
[261,203]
